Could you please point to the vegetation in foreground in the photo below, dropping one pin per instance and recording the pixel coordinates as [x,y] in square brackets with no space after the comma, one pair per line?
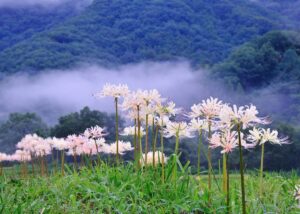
[121,189]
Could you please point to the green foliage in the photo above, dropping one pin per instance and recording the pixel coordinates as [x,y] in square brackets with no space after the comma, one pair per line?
[258,63]
[76,123]
[120,189]
[118,32]
[287,9]
[271,62]
[19,24]
[17,126]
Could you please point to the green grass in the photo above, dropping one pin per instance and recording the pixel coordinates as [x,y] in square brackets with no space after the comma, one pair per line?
[107,189]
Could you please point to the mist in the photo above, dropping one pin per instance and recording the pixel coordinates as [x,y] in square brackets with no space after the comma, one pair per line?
[57,92]
[54,93]
[42,3]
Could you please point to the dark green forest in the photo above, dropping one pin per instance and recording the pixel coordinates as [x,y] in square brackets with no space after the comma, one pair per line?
[118,32]
[249,45]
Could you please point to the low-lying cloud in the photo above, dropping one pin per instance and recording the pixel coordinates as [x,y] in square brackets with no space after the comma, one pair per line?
[58,92]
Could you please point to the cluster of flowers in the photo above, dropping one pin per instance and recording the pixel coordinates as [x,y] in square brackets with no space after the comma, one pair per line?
[227,120]
[148,107]
[228,126]
[91,142]
[221,118]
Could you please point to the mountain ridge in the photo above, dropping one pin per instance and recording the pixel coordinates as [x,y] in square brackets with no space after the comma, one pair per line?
[123,32]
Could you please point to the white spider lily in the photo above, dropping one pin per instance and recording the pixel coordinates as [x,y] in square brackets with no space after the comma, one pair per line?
[197,124]
[244,115]
[131,131]
[110,90]
[261,136]
[168,109]
[209,108]
[95,132]
[4,157]
[162,121]
[59,143]
[158,158]
[180,129]
[123,147]
[29,142]
[134,101]
[227,141]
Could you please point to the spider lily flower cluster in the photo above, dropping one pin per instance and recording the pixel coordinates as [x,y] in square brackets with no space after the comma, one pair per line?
[225,126]
[92,142]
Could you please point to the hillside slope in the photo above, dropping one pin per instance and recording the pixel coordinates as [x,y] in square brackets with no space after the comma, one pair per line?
[126,31]
[18,24]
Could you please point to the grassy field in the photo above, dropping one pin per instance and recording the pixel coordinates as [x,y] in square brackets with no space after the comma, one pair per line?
[106,189]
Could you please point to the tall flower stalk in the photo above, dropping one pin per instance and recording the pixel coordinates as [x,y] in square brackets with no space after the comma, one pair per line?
[208,110]
[199,152]
[162,152]
[198,125]
[227,183]
[117,130]
[261,136]
[227,140]
[154,140]
[224,159]
[240,118]
[241,169]
[177,130]
[115,91]
[209,158]
[146,139]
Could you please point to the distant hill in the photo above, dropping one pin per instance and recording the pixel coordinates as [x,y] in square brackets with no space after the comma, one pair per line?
[269,65]
[18,24]
[288,10]
[126,31]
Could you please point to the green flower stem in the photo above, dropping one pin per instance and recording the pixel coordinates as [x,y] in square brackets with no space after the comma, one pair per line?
[176,156]
[227,183]
[53,162]
[98,155]
[117,130]
[199,152]
[242,170]
[75,160]
[146,140]
[62,163]
[209,158]
[261,169]
[154,145]
[153,140]
[139,148]
[162,153]
[135,144]
[56,164]
[32,163]
[225,173]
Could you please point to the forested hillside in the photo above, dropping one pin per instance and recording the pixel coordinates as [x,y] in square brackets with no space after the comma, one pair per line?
[288,10]
[118,32]
[18,24]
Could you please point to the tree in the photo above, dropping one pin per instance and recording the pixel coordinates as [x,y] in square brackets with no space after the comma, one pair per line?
[17,126]
[77,122]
